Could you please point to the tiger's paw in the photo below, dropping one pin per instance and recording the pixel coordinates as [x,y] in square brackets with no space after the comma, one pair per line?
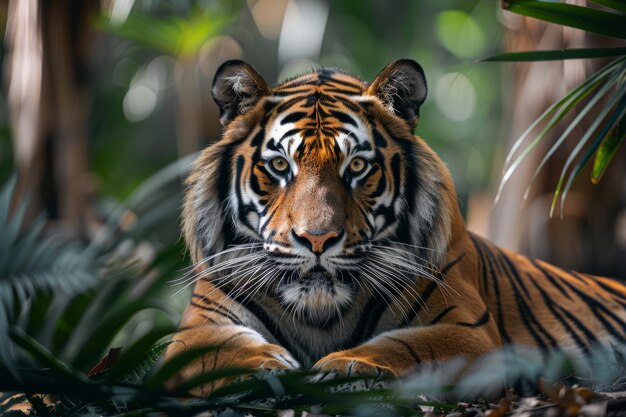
[338,364]
[268,358]
[345,365]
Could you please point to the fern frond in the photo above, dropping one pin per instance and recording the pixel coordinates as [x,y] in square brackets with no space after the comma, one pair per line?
[32,262]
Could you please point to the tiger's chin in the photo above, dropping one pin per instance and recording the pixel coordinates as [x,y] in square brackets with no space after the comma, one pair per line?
[316,298]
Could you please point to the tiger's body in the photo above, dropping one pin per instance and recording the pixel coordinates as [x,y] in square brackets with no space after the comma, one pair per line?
[324,234]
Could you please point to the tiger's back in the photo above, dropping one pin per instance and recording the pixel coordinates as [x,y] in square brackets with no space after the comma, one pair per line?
[538,304]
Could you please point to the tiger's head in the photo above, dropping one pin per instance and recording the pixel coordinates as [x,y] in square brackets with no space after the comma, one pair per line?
[318,189]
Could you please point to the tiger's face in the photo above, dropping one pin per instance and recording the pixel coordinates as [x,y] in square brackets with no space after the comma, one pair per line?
[318,189]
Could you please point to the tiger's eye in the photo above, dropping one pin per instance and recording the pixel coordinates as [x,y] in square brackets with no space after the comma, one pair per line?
[357,165]
[280,164]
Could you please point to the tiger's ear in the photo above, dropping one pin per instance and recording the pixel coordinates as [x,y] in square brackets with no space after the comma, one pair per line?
[237,87]
[401,86]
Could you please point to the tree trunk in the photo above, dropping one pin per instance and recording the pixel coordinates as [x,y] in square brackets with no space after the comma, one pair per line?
[48,44]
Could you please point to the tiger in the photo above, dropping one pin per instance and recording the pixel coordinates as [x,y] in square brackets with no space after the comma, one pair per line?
[326,236]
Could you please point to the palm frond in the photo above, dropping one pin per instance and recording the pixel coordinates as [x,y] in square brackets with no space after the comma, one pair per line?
[579,17]
[605,87]
[556,55]
[618,114]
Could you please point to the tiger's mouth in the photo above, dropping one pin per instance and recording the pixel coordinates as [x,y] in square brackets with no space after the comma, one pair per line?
[318,273]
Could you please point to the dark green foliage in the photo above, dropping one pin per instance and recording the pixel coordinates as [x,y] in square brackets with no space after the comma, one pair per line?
[32,263]
[585,18]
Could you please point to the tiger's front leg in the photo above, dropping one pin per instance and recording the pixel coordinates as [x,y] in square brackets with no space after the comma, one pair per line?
[398,352]
[220,322]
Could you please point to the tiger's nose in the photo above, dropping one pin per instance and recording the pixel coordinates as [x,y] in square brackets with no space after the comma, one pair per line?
[317,240]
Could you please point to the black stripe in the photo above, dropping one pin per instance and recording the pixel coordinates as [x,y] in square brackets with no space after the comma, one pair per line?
[218,308]
[257,140]
[450,265]
[219,311]
[267,222]
[290,132]
[354,107]
[557,311]
[612,291]
[222,182]
[582,279]
[380,187]
[496,286]
[343,117]
[552,280]
[598,309]
[374,309]
[396,172]
[441,315]
[418,305]
[207,318]
[242,208]
[428,292]
[271,325]
[512,273]
[289,103]
[484,319]
[534,326]
[379,140]
[231,337]
[481,266]
[293,117]
[343,83]
[408,347]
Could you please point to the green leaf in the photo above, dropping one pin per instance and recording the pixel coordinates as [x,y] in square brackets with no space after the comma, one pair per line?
[43,356]
[136,360]
[67,313]
[608,147]
[148,194]
[615,118]
[210,377]
[139,371]
[590,20]
[556,55]
[97,340]
[617,115]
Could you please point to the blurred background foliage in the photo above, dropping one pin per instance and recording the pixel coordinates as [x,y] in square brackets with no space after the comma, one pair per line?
[104,104]
[154,61]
